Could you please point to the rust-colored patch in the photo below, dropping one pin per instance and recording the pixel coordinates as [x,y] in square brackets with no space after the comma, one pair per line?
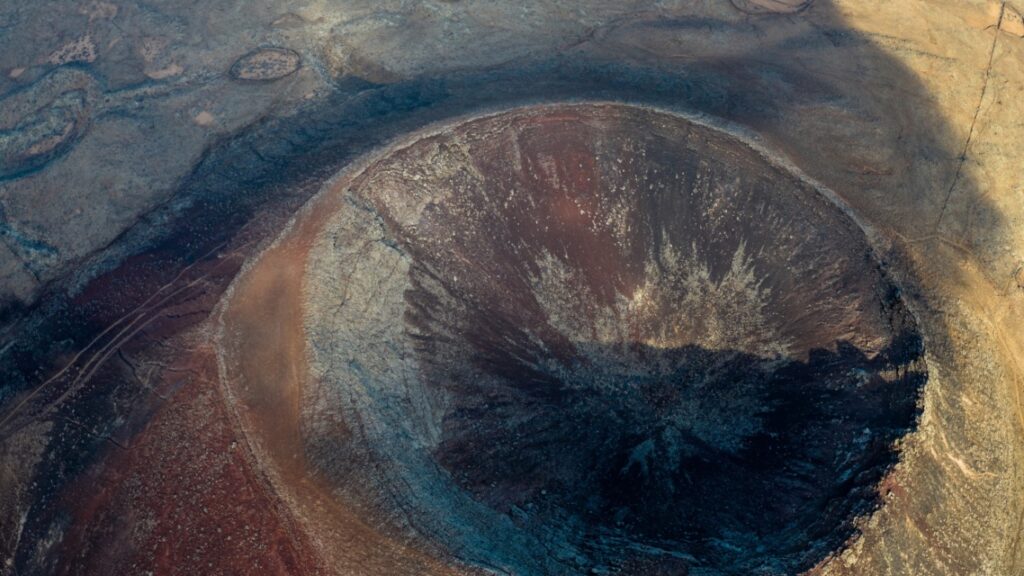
[182,500]
[267,350]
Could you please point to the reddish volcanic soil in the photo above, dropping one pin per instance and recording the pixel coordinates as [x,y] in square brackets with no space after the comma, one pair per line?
[182,499]
[264,329]
[186,494]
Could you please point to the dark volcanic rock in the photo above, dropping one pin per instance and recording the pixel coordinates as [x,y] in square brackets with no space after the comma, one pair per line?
[607,333]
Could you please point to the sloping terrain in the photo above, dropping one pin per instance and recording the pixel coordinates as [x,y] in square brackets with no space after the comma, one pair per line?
[463,287]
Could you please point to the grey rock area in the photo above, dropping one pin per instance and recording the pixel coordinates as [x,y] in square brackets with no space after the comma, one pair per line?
[108,108]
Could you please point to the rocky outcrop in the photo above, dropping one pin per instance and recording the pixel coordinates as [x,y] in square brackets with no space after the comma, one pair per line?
[266,64]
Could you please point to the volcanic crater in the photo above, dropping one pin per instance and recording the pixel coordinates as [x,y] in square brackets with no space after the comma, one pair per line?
[577,338]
